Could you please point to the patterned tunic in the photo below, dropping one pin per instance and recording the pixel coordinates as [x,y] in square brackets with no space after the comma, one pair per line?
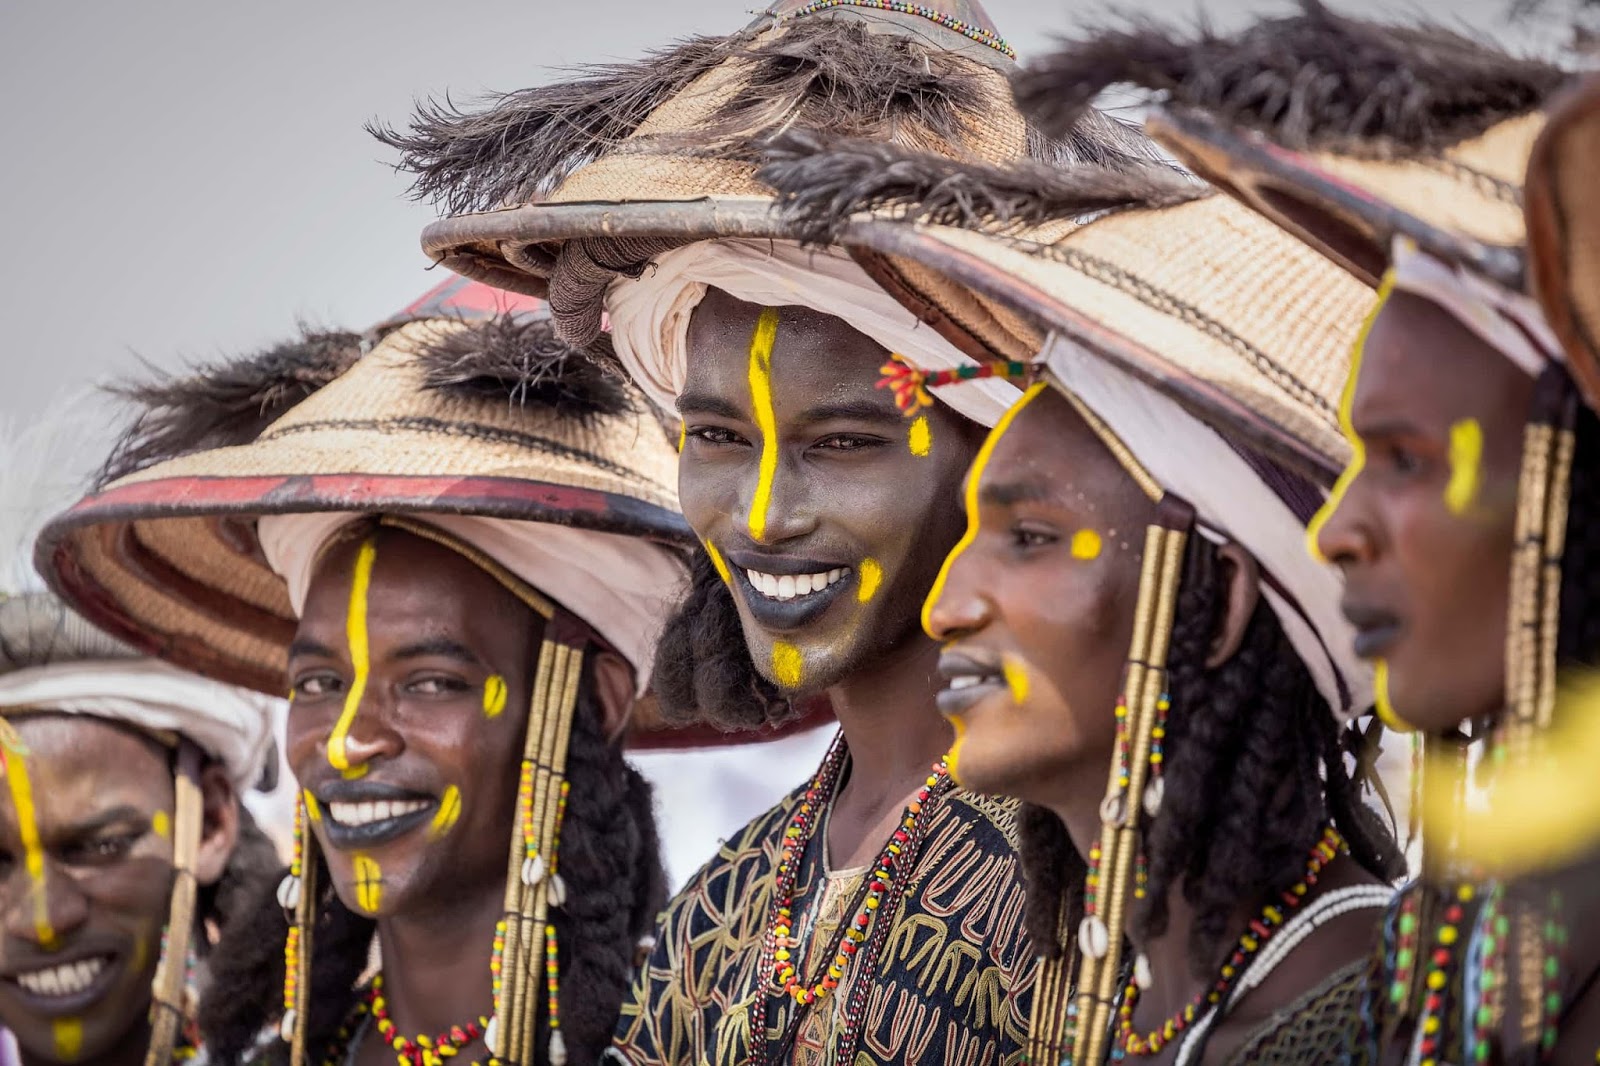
[952,980]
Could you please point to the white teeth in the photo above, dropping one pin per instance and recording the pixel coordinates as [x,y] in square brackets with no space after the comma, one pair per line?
[965,681]
[68,979]
[790,586]
[358,814]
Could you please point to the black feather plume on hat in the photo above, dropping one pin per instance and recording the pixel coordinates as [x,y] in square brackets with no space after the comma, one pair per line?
[819,73]
[519,359]
[1315,80]
[226,403]
[823,184]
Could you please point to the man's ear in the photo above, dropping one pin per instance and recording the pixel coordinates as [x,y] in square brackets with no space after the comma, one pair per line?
[219,827]
[1242,585]
[614,691]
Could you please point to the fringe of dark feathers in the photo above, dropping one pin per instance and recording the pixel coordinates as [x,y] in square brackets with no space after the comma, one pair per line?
[821,74]
[224,404]
[1314,80]
[514,358]
[823,184]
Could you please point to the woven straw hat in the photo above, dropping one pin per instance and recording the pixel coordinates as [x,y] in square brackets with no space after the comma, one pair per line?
[1345,132]
[456,415]
[562,188]
[1564,230]
[1189,291]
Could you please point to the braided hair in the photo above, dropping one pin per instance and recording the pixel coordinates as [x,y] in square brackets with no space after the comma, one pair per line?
[703,670]
[1254,768]
[610,860]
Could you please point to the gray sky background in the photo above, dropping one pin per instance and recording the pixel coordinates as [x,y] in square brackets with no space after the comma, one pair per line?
[183,180]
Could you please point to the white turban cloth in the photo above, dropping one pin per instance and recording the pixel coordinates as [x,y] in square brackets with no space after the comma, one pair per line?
[650,314]
[229,724]
[1191,460]
[1510,322]
[622,586]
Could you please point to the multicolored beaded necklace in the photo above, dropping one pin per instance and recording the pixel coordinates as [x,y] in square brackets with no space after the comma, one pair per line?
[421,1050]
[779,965]
[949,22]
[1261,930]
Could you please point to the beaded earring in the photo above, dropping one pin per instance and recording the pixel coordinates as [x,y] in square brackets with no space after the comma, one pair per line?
[297,896]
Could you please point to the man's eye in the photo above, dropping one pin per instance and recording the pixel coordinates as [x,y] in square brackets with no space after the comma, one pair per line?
[715,435]
[316,686]
[100,850]
[437,686]
[848,442]
[1403,460]
[1031,537]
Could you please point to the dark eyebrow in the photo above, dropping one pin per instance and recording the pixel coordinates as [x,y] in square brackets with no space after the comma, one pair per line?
[852,410]
[704,403]
[443,647]
[1391,427]
[1009,493]
[307,646]
[95,823]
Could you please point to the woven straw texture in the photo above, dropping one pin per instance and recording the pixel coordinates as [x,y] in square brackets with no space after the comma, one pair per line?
[1564,229]
[168,560]
[1248,327]
[1465,205]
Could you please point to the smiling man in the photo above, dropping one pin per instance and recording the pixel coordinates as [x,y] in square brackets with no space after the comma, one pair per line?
[122,838]
[455,555]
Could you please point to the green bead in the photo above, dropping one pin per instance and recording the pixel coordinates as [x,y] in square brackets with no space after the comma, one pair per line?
[1551,967]
[1485,1016]
[1408,923]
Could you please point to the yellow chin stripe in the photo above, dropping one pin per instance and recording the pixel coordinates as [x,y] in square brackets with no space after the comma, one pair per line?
[974,478]
[788,665]
[952,758]
[766,420]
[1381,702]
[369,884]
[360,659]
[68,1033]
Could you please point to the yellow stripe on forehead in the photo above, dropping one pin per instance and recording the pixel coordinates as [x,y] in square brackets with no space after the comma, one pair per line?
[974,476]
[761,343]
[360,659]
[16,771]
[1358,450]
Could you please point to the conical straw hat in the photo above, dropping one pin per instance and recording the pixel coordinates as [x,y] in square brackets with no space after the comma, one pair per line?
[445,415]
[560,189]
[1563,213]
[1191,292]
[1346,132]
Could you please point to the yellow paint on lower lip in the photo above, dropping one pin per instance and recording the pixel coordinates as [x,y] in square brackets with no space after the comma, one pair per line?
[1466,459]
[444,819]
[788,665]
[921,439]
[68,1034]
[1358,449]
[871,576]
[494,696]
[360,659]
[974,477]
[16,769]
[369,883]
[953,756]
[766,420]
[1016,676]
[718,562]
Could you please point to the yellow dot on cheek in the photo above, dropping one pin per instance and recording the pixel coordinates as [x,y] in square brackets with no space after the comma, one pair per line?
[1466,460]
[921,439]
[788,666]
[871,575]
[1086,544]
[161,825]
[68,1033]
[444,819]
[494,696]
[1016,676]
